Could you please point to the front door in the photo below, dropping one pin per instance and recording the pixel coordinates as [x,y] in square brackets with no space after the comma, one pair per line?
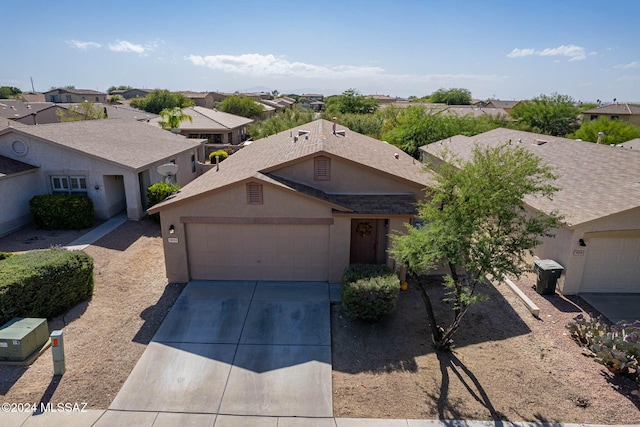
[364,241]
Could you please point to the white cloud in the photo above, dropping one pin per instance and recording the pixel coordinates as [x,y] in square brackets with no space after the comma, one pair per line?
[634,64]
[125,46]
[254,64]
[573,52]
[77,44]
[519,53]
[272,66]
[629,78]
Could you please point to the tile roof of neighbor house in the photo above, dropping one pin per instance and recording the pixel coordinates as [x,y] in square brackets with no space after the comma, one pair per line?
[269,154]
[595,180]
[127,143]
[206,118]
[10,166]
[615,109]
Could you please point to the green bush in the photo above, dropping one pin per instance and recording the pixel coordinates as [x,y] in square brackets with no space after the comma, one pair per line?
[44,283]
[5,255]
[369,292]
[222,153]
[157,193]
[62,211]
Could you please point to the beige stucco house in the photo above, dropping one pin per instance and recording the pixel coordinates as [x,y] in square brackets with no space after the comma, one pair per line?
[217,127]
[111,161]
[621,111]
[299,205]
[200,99]
[68,95]
[599,244]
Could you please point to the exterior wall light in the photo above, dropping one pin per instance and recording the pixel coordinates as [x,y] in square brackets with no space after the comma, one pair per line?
[172,229]
[581,242]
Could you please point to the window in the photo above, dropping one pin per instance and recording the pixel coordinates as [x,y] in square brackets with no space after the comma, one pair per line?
[193,163]
[254,193]
[615,117]
[229,138]
[594,117]
[322,168]
[61,184]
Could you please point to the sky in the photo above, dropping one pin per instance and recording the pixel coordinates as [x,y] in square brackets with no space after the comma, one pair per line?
[509,50]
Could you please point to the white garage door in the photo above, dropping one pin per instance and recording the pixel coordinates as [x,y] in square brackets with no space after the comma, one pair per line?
[258,252]
[612,265]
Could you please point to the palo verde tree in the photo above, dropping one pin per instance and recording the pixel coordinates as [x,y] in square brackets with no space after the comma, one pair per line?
[84,111]
[172,117]
[554,114]
[475,221]
[159,100]
[614,131]
[351,102]
[453,96]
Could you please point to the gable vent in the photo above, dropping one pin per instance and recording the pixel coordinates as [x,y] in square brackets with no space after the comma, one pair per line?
[254,194]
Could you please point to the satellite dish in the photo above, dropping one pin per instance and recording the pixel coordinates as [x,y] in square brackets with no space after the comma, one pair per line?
[168,170]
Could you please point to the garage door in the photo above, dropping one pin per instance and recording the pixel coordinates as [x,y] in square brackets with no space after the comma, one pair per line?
[612,265]
[258,252]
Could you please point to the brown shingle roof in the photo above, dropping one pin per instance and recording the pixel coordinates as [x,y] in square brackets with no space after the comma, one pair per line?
[595,180]
[276,151]
[615,109]
[10,166]
[208,119]
[128,143]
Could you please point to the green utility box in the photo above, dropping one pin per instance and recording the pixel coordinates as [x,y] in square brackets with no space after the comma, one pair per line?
[21,337]
[548,272]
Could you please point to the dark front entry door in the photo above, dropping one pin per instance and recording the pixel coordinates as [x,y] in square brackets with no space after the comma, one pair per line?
[364,241]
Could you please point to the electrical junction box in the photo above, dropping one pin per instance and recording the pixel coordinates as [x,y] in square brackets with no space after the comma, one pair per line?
[21,337]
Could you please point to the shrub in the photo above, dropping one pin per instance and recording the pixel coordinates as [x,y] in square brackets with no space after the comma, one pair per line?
[617,347]
[157,193]
[223,154]
[44,283]
[62,211]
[5,255]
[369,292]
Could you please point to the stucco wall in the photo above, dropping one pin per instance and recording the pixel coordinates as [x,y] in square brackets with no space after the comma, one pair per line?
[15,192]
[347,177]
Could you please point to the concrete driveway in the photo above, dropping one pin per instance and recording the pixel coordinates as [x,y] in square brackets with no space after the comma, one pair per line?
[615,307]
[238,348]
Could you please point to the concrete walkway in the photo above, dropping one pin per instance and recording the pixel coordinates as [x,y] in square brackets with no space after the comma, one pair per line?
[97,233]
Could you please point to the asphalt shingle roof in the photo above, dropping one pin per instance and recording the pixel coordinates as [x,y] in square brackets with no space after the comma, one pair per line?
[10,166]
[615,109]
[206,118]
[125,142]
[266,155]
[595,180]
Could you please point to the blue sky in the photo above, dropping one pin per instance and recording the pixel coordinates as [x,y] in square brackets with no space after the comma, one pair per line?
[503,49]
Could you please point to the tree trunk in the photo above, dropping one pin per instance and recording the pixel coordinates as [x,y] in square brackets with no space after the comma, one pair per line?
[436,331]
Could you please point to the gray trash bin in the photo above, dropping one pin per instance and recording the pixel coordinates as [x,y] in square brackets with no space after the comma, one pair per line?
[548,272]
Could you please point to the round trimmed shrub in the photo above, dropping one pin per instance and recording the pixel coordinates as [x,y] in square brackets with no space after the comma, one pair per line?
[222,155]
[369,292]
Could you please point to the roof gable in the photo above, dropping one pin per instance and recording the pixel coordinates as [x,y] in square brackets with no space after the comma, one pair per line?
[207,118]
[297,144]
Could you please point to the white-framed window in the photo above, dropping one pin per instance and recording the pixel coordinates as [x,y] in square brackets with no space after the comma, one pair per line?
[69,184]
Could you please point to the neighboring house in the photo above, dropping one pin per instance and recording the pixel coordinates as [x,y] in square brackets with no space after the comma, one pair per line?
[111,161]
[120,111]
[213,125]
[32,97]
[201,99]
[62,95]
[384,99]
[627,112]
[505,105]
[299,205]
[599,197]
[29,113]
[135,93]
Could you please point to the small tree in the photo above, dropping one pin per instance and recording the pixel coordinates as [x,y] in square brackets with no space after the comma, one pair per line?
[241,106]
[475,219]
[159,100]
[351,102]
[173,117]
[453,96]
[553,114]
[615,131]
[85,111]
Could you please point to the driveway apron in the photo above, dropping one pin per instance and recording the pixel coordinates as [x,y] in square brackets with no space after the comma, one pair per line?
[238,348]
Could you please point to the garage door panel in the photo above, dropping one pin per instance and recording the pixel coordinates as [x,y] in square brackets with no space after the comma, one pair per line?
[258,251]
[612,265]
